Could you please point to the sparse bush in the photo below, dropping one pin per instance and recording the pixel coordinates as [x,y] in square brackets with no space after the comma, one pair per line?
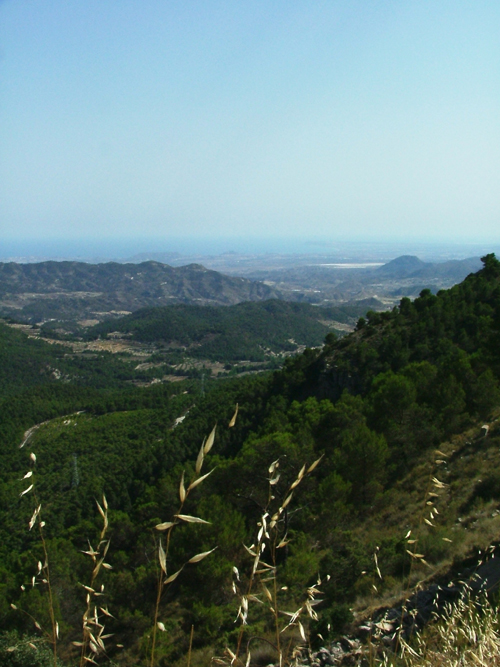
[24,651]
[489,487]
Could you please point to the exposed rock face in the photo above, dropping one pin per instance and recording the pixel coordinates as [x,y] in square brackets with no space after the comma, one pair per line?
[343,653]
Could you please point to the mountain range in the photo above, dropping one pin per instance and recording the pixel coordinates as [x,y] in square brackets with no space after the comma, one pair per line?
[90,293]
[77,290]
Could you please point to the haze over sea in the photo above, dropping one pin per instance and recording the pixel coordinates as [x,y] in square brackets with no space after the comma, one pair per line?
[186,250]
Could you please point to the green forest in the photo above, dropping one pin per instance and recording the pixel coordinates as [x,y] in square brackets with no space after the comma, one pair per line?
[251,331]
[188,521]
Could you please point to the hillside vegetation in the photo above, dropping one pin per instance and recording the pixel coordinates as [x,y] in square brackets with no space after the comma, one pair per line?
[373,407]
[247,331]
[28,362]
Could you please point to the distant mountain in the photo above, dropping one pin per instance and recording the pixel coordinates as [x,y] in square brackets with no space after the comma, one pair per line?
[409,266]
[77,290]
[454,269]
[333,284]
[402,267]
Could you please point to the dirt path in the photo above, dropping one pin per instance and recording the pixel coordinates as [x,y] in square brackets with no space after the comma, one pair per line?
[27,434]
[30,431]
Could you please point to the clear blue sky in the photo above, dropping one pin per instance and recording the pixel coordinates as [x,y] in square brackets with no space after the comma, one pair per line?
[352,119]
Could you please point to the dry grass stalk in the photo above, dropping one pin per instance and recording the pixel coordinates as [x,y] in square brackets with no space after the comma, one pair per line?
[427,517]
[191,634]
[42,576]
[262,586]
[465,635]
[92,644]
[164,579]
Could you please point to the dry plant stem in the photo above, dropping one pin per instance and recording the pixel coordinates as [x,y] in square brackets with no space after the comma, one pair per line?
[466,635]
[96,642]
[190,646]
[32,618]
[157,607]
[275,581]
[98,561]
[268,539]
[275,597]
[178,518]
[36,518]
[248,593]
[161,587]
[240,633]
[410,572]
[431,481]
[250,587]
[46,570]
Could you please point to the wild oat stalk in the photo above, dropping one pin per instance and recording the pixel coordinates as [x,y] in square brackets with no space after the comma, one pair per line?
[42,577]
[428,517]
[271,536]
[92,644]
[466,634]
[164,579]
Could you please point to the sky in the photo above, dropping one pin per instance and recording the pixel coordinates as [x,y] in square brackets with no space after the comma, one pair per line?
[160,122]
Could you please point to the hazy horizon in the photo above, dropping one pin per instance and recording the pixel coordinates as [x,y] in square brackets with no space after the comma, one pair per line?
[110,249]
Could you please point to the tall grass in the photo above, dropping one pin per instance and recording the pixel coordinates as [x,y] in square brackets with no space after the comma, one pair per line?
[93,629]
[167,527]
[260,587]
[42,576]
[92,644]
[467,634]
[463,634]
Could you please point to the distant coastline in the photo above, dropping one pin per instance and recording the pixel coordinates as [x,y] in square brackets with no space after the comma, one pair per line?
[339,253]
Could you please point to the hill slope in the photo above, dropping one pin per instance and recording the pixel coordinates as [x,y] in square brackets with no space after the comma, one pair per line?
[462,322]
[30,362]
[246,331]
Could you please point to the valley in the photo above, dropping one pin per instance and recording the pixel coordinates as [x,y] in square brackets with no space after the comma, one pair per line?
[162,344]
